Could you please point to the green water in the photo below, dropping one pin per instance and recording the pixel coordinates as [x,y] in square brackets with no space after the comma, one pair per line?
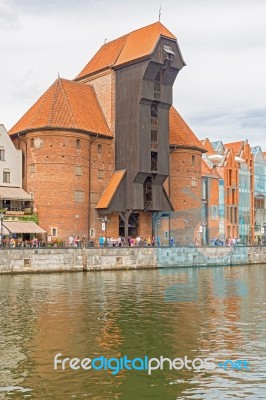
[194,312]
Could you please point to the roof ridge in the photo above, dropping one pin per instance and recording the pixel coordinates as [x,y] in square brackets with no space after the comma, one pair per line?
[113,40]
[129,48]
[56,83]
[147,26]
[68,104]
[120,50]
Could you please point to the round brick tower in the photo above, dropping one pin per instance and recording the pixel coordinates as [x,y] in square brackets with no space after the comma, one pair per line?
[60,138]
[185,180]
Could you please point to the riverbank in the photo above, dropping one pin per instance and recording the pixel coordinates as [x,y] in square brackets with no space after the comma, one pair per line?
[36,260]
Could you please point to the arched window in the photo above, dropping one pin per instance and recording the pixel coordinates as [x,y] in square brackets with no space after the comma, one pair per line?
[6,175]
[2,153]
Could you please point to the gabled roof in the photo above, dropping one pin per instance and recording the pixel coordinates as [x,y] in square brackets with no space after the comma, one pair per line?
[235,146]
[206,170]
[66,104]
[218,147]
[180,133]
[207,145]
[128,48]
[110,189]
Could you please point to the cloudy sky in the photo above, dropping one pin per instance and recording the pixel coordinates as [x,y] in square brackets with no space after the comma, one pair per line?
[221,93]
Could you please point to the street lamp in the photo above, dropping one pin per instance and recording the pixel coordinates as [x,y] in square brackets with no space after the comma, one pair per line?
[1,220]
[105,221]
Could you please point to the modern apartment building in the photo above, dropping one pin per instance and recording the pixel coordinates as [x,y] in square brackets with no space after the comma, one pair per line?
[259,194]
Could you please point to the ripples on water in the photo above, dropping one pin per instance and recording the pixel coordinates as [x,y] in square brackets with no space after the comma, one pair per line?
[199,312]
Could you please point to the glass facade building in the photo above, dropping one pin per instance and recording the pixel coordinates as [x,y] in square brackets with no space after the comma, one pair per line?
[244,203]
[259,194]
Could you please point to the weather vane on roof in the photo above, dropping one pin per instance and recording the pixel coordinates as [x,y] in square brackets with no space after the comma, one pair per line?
[160,9]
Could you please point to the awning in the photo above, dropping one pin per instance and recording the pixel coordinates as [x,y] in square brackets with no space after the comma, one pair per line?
[21,227]
[110,189]
[12,193]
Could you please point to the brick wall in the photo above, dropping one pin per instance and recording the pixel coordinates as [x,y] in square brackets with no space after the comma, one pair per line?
[213,201]
[104,85]
[57,166]
[145,224]
[185,193]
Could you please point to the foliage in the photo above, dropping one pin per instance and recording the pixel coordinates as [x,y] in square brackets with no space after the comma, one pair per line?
[30,218]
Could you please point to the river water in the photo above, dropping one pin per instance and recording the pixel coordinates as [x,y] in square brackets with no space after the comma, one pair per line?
[195,312]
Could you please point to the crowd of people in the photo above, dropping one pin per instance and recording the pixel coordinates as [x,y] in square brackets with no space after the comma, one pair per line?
[120,241]
[227,242]
[12,242]
[138,241]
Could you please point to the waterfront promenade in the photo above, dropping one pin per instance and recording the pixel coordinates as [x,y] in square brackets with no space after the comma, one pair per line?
[34,260]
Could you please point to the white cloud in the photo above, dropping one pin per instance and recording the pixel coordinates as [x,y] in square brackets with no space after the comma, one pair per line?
[8,16]
[223,44]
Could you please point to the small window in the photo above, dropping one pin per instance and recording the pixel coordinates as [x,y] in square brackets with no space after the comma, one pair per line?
[154,110]
[100,148]
[193,182]
[92,233]
[154,136]
[79,196]
[154,161]
[157,85]
[100,173]
[230,177]
[32,143]
[54,232]
[6,176]
[193,160]
[2,154]
[78,143]
[78,170]
[94,197]
[32,169]
[214,212]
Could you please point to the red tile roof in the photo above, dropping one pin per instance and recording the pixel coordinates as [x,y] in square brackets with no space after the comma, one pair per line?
[207,146]
[128,48]
[110,189]
[180,133]
[66,104]
[235,146]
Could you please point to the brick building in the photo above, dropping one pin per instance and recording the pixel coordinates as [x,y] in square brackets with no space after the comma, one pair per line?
[97,147]
[235,164]
[212,211]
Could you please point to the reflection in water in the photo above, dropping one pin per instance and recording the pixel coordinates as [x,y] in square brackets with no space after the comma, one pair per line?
[194,312]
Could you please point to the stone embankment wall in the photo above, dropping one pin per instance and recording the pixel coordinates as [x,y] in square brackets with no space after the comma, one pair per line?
[56,260]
